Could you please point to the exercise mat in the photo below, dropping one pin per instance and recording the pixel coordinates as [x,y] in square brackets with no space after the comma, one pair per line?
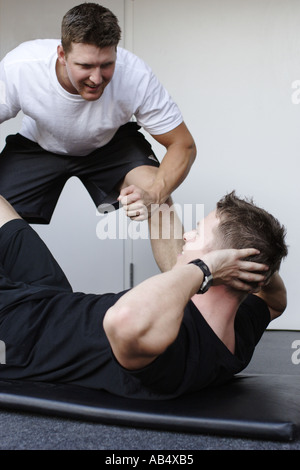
[253,406]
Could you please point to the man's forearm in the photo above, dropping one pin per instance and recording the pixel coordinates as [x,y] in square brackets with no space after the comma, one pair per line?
[173,170]
[176,164]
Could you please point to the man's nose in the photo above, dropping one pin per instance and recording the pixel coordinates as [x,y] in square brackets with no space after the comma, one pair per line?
[188,236]
[96,76]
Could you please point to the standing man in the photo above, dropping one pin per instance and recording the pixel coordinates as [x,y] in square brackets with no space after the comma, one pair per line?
[79,97]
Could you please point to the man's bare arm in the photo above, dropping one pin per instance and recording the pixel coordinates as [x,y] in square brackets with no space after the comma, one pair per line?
[275,295]
[176,164]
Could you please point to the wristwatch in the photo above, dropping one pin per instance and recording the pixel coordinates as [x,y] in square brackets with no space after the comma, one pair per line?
[208,278]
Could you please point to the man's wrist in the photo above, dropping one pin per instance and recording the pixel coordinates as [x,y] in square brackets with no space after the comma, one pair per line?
[207,258]
[207,279]
[159,191]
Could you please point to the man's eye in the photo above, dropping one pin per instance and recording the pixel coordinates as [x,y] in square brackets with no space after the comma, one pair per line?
[106,66]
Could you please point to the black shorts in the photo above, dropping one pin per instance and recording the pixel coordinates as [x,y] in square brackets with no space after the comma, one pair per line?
[31,178]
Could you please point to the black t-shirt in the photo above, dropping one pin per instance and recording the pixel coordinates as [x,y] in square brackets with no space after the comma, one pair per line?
[198,358]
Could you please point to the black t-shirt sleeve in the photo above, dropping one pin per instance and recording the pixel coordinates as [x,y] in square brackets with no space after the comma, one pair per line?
[252,319]
[256,314]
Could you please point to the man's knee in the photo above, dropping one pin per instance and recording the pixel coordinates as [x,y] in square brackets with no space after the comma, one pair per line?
[140,176]
[7,212]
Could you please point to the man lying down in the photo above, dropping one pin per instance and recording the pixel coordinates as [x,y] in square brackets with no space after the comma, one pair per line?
[192,327]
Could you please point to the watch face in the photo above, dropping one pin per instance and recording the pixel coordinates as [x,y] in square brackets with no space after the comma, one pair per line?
[207,282]
[204,285]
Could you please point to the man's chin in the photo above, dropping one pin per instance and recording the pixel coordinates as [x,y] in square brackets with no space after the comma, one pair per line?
[91,96]
[187,256]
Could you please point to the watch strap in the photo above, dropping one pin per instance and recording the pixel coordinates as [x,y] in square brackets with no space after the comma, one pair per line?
[208,277]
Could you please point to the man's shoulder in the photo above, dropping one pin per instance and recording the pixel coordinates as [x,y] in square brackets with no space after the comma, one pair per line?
[34,50]
[255,309]
[253,301]
[129,60]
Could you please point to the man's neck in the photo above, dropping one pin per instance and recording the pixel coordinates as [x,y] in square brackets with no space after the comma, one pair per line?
[218,306]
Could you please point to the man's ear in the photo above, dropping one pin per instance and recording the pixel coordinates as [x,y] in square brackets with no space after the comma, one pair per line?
[61,55]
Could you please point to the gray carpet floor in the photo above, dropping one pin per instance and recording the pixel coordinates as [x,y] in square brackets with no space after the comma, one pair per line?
[25,431]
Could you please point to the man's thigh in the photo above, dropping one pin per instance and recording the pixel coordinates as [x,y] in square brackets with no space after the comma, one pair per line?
[127,157]
[26,259]
[31,179]
[143,177]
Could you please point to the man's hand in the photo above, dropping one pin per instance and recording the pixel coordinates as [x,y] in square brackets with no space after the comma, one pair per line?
[230,268]
[136,202]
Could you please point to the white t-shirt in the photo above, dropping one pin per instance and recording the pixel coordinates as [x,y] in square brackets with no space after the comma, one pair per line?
[67,124]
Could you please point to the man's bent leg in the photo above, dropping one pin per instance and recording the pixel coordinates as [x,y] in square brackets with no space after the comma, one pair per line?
[24,256]
[165,227]
[31,179]
[7,212]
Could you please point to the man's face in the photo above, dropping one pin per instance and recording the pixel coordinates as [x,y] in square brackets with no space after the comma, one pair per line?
[201,240]
[86,70]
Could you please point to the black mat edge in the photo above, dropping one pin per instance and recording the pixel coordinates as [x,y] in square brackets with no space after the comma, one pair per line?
[118,411]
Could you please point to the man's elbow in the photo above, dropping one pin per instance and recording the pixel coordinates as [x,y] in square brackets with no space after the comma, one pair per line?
[126,334]
[281,304]
[192,150]
[186,140]
[117,325]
